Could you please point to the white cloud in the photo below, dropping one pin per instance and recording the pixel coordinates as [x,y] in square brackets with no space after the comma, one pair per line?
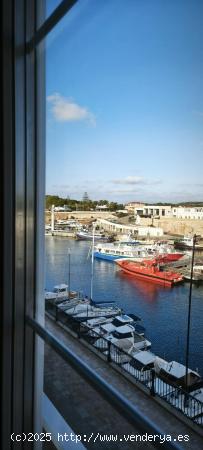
[66,110]
[134,180]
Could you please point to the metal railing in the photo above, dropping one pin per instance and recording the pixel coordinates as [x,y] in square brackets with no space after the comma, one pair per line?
[122,405]
[175,396]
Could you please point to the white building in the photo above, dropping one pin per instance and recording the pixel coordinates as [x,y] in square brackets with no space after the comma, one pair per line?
[183,212]
[180,212]
[102,208]
[134,230]
[153,210]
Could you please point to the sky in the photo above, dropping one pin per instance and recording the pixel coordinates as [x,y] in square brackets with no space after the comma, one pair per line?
[124,101]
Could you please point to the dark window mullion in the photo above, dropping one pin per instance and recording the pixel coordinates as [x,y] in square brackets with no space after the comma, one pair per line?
[50,23]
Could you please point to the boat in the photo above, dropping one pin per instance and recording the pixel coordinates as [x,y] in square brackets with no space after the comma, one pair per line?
[72,303]
[187,243]
[174,373]
[88,236]
[83,312]
[112,252]
[149,270]
[140,365]
[59,293]
[123,337]
[197,274]
[112,325]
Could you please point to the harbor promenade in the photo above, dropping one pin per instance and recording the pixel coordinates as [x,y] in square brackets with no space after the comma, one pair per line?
[87,412]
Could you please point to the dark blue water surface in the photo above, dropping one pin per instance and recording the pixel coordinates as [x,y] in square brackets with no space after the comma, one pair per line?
[163,310]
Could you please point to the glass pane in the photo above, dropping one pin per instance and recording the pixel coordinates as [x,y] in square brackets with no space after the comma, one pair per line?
[123,178]
[51,5]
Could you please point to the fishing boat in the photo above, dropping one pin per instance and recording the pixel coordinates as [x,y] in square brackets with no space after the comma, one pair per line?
[59,293]
[149,270]
[187,243]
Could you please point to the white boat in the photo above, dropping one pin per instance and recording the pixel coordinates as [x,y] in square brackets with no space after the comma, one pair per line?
[92,323]
[122,335]
[174,373]
[72,303]
[88,236]
[59,293]
[113,324]
[117,250]
[187,243]
[197,274]
[140,365]
[85,312]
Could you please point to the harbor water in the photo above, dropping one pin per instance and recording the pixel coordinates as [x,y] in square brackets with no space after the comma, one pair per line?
[163,310]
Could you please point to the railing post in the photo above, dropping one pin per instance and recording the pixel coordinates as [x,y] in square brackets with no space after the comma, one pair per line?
[56,314]
[79,330]
[109,352]
[152,390]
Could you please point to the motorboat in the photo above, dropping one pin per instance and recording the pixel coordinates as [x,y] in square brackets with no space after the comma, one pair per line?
[197,274]
[187,243]
[123,335]
[174,373]
[149,270]
[88,236]
[59,293]
[140,365]
[115,323]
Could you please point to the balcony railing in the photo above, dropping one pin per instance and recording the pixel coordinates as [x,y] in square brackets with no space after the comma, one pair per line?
[182,401]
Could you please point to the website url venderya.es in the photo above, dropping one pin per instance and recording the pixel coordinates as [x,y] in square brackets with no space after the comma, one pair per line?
[99,437]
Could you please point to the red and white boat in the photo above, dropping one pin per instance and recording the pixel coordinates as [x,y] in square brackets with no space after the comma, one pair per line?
[149,270]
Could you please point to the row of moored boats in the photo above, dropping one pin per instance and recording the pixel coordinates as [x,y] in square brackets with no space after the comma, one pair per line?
[108,329]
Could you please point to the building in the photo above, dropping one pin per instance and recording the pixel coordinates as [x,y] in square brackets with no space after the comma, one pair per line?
[130,207]
[183,212]
[134,230]
[102,208]
[169,211]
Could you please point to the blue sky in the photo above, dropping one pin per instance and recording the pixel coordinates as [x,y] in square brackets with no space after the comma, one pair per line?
[124,84]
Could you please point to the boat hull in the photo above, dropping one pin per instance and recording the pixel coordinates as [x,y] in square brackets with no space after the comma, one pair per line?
[83,237]
[157,278]
[184,246]
[107,257]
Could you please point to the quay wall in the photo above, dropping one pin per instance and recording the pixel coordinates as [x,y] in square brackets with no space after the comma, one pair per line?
[79,215]
[172,225]
[176,226]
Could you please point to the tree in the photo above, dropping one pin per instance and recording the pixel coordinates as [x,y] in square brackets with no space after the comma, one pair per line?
[85,197]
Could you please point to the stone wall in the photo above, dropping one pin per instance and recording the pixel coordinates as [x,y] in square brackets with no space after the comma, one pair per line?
[176,226]
[79,215]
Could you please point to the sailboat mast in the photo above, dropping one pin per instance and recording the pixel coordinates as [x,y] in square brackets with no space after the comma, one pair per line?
[92,268]
[69,274]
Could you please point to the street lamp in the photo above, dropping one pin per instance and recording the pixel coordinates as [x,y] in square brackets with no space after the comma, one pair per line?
[68,273]
[189,314]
